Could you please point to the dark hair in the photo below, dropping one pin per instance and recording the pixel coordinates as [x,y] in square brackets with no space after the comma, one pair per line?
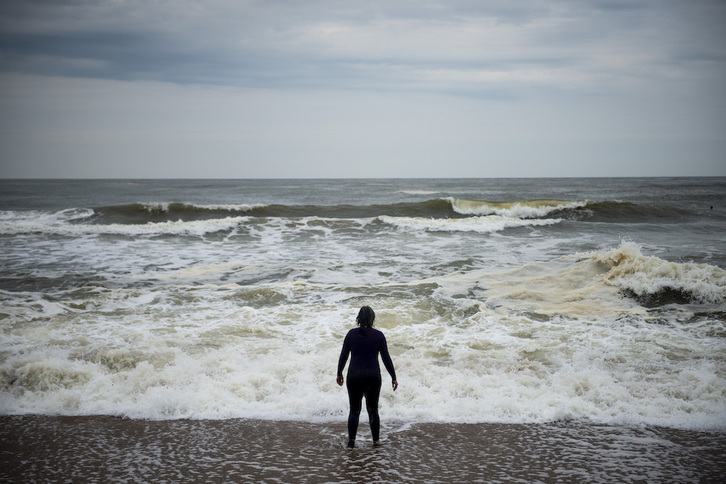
[365,317]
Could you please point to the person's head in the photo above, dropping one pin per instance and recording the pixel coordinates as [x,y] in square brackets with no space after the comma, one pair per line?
[365,317]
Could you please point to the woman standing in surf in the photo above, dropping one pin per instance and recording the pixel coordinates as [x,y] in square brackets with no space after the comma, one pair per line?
[364,343]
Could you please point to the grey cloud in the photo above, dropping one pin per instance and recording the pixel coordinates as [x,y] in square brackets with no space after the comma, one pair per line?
[121,56]
[410,45]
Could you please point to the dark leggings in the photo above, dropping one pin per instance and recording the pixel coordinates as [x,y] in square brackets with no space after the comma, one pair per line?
[358,387]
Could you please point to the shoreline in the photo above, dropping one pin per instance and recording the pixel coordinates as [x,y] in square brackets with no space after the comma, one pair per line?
[106,448]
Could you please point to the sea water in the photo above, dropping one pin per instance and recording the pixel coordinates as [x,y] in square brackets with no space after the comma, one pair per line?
[509,301]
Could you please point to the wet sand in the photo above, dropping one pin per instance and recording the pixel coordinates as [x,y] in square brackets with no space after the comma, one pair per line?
[105,449]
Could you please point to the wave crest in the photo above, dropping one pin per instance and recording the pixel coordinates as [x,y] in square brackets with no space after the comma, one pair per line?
[655,282]
[517,209]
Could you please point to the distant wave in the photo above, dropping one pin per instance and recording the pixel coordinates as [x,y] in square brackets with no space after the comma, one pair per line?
[57,224]
[159,212]
[627,212]
[440,213]
[137,213]
[434,208]
[515,209]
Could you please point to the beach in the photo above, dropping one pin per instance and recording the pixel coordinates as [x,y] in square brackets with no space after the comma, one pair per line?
[109,449]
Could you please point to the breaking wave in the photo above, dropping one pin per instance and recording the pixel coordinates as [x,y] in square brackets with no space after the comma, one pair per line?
[653,281]
[516,209]
[437,209]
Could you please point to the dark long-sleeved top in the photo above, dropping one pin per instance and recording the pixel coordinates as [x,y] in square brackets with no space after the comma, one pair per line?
[364,345]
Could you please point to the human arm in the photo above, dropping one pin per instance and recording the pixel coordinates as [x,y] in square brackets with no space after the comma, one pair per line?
[388,363]
[344,352]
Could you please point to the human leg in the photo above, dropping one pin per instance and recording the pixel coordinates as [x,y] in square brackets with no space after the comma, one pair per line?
[355,397]
[372,394]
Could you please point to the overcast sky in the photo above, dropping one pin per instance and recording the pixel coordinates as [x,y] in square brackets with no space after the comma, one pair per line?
[317,88]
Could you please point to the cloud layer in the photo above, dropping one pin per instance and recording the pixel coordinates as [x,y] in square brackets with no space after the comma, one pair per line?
[541,71]
[447,46]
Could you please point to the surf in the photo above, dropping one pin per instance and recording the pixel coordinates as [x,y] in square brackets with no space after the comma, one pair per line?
[479,224]
[514,209]
[655,282]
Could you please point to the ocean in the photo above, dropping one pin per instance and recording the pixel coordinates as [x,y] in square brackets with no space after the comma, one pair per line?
[592,305]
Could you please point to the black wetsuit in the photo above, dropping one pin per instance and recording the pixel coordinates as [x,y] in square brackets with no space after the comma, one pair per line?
[364,375]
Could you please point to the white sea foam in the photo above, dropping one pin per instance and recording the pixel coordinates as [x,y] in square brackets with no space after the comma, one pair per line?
[482,224]
[156,206]
[9,218]
[165,206]
[53,225]
[419,192]
[269,351]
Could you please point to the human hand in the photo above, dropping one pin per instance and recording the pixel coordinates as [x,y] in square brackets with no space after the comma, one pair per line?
[395,384]
[340,380]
